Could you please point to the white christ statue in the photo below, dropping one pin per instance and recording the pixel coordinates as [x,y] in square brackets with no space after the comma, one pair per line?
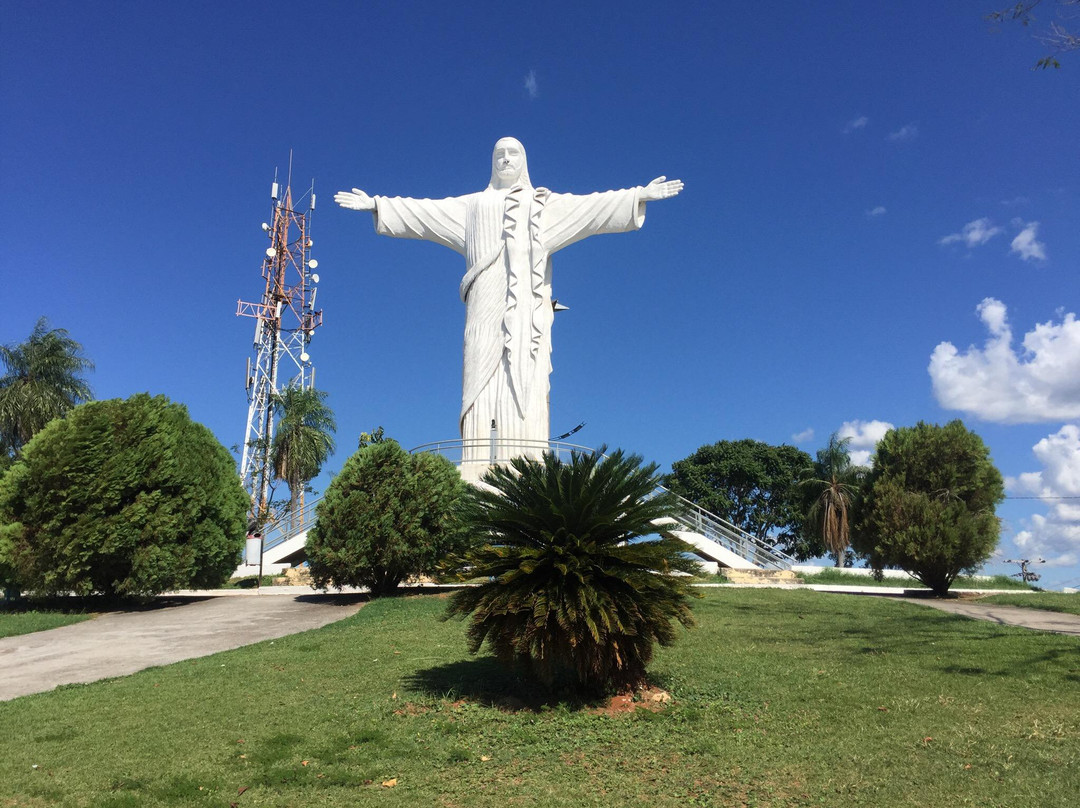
[507,233]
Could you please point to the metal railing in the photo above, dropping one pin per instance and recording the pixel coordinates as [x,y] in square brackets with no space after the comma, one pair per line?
[284,529]
[743,544]
[496,450]
[690,516]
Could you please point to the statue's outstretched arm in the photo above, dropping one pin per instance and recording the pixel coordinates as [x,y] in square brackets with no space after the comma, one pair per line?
[660,188]
[356,200]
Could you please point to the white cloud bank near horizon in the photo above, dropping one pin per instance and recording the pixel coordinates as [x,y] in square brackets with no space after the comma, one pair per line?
[1055,535]
[1039,382]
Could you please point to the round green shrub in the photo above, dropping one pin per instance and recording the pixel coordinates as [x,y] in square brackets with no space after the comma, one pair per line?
[387,516]
[123,498]
[928,504]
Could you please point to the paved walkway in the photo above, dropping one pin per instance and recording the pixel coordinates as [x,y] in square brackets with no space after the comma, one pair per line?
[1037,619]
[189,625]
[1006,615]
[173,629]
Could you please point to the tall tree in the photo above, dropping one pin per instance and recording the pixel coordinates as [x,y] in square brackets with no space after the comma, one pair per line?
[1056,36]
[751,484]
[831,493]
[302,441]
[42,381]
[928,504]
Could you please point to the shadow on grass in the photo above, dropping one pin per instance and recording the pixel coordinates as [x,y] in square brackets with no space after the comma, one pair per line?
[100,604]
[334,598]
[487,682]
[97,604]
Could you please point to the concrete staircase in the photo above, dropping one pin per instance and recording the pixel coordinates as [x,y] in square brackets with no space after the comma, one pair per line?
[721,545]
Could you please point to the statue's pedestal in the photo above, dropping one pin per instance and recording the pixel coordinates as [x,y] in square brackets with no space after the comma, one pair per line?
[472,470]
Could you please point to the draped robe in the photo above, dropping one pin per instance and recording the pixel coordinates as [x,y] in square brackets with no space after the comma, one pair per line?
[507,238]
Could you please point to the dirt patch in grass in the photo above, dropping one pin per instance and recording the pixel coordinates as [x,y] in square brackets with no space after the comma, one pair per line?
[408,708]
[652,699]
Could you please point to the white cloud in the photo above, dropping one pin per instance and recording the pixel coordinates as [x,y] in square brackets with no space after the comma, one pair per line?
[804,436]
[1027,246]
[973,234]
[1041,382]
[906,132]
[531,86]
[864,438]
[855,124]
[1056,534]
[878,211]
[1050,538]
[1060,457]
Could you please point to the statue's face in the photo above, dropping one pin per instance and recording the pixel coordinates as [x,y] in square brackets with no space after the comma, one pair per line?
[507,161]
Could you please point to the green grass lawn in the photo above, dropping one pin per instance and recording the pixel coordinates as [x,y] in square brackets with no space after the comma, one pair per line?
[783,698]
[17,620]
[831,575]
[1048,601]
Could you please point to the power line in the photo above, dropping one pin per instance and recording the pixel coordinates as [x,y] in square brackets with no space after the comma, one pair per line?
[1042,497]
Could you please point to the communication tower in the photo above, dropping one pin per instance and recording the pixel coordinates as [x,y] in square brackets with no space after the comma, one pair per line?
[285,322]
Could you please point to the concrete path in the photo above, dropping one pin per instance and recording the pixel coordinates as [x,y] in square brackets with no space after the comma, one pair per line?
[1006,615]
[1037,619]
[172,629]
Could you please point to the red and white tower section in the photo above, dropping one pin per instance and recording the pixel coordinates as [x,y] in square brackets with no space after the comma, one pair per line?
[285,322]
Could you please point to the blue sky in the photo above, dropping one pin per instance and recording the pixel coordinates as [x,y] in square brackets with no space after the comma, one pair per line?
[863,183]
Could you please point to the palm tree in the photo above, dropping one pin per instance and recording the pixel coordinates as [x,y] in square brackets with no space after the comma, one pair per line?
[43,380]
[833,489]
[572,591]
[302,441]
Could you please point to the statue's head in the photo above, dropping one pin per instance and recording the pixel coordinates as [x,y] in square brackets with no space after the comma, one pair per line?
[508,165]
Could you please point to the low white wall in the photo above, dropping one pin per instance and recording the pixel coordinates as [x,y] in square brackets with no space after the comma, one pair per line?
[245,570]
[811,569]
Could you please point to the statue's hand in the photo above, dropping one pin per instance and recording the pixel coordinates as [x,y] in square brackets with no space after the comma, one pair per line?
[356,200]
[661,188]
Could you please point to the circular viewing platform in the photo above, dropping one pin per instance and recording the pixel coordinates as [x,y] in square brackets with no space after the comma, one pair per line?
[474,457]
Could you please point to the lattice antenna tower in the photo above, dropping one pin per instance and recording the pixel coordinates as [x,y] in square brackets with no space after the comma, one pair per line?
[285,322]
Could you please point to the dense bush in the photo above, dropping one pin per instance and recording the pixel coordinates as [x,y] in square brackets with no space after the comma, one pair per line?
[387,516]
[122,497]
[572,593]
[928,504]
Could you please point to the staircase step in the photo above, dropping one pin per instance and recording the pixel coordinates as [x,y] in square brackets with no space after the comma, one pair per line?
[761,576]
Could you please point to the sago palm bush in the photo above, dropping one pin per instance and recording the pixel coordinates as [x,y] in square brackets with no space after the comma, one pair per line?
[578,586]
